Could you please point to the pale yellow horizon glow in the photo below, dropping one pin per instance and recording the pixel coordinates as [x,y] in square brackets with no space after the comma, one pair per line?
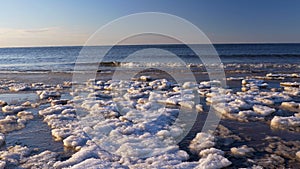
[50,36]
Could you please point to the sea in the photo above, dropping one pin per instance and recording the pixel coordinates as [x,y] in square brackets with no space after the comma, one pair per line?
[64,59]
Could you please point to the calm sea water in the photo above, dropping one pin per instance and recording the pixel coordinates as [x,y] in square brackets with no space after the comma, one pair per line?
[62,59]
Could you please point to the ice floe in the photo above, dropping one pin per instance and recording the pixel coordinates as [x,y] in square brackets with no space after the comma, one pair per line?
[48,94]
[242,151]
[288,123]
[11,109]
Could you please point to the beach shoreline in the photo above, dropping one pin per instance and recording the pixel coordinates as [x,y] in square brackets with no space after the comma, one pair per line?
[241,132]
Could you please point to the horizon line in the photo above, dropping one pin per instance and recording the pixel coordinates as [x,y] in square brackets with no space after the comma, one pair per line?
[141,44]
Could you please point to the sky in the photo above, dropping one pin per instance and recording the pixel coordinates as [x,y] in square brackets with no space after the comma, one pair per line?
[72,22]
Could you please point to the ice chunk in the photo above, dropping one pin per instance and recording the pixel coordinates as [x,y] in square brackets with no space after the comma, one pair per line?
[298,155]
[47,94]
[189,85]
[2,139]
[292,106]
[74,141]
[45,159]
[145,78]
[87,152]
[14,155]
[290,84]
[187,104]
[241,151]
[288,123]
[59,102]
[213,161]
[263,110]
[54,110]
[61,133]
[3,103]
[25,115]
[93,163]
[11,123]
[19,87]
[206,152]
[199,108]
[201,141]
[12,109]
[2,164]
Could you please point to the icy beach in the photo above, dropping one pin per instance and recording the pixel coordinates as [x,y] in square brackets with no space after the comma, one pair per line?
[132,124]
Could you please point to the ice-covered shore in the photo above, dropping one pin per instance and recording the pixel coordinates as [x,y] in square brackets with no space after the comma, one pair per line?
[132,124]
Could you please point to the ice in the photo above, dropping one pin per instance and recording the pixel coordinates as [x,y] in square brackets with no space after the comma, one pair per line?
[293,75]
[64,124]
[74,141]
[2,164]
[206,152]
[199,108]
[242,151]
[208,84]
[145,78]
[87,152]
[19,87]
[190,85]
[93,163]
[293,91]
[54,110]
[25,115]
[247,113]
[201,141]
[3,103]
[130,124]
[263,110]
[45,159]
[290,84]
[59,102]
[287,123]
[254,82]
[298,155]
[47,94]
[11,123]
[2,139]
[12,109]
[13,155]
[61,133]
[290,105]
[213,161]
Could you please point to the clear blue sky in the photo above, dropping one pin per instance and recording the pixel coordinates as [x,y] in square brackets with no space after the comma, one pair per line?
[25,22]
